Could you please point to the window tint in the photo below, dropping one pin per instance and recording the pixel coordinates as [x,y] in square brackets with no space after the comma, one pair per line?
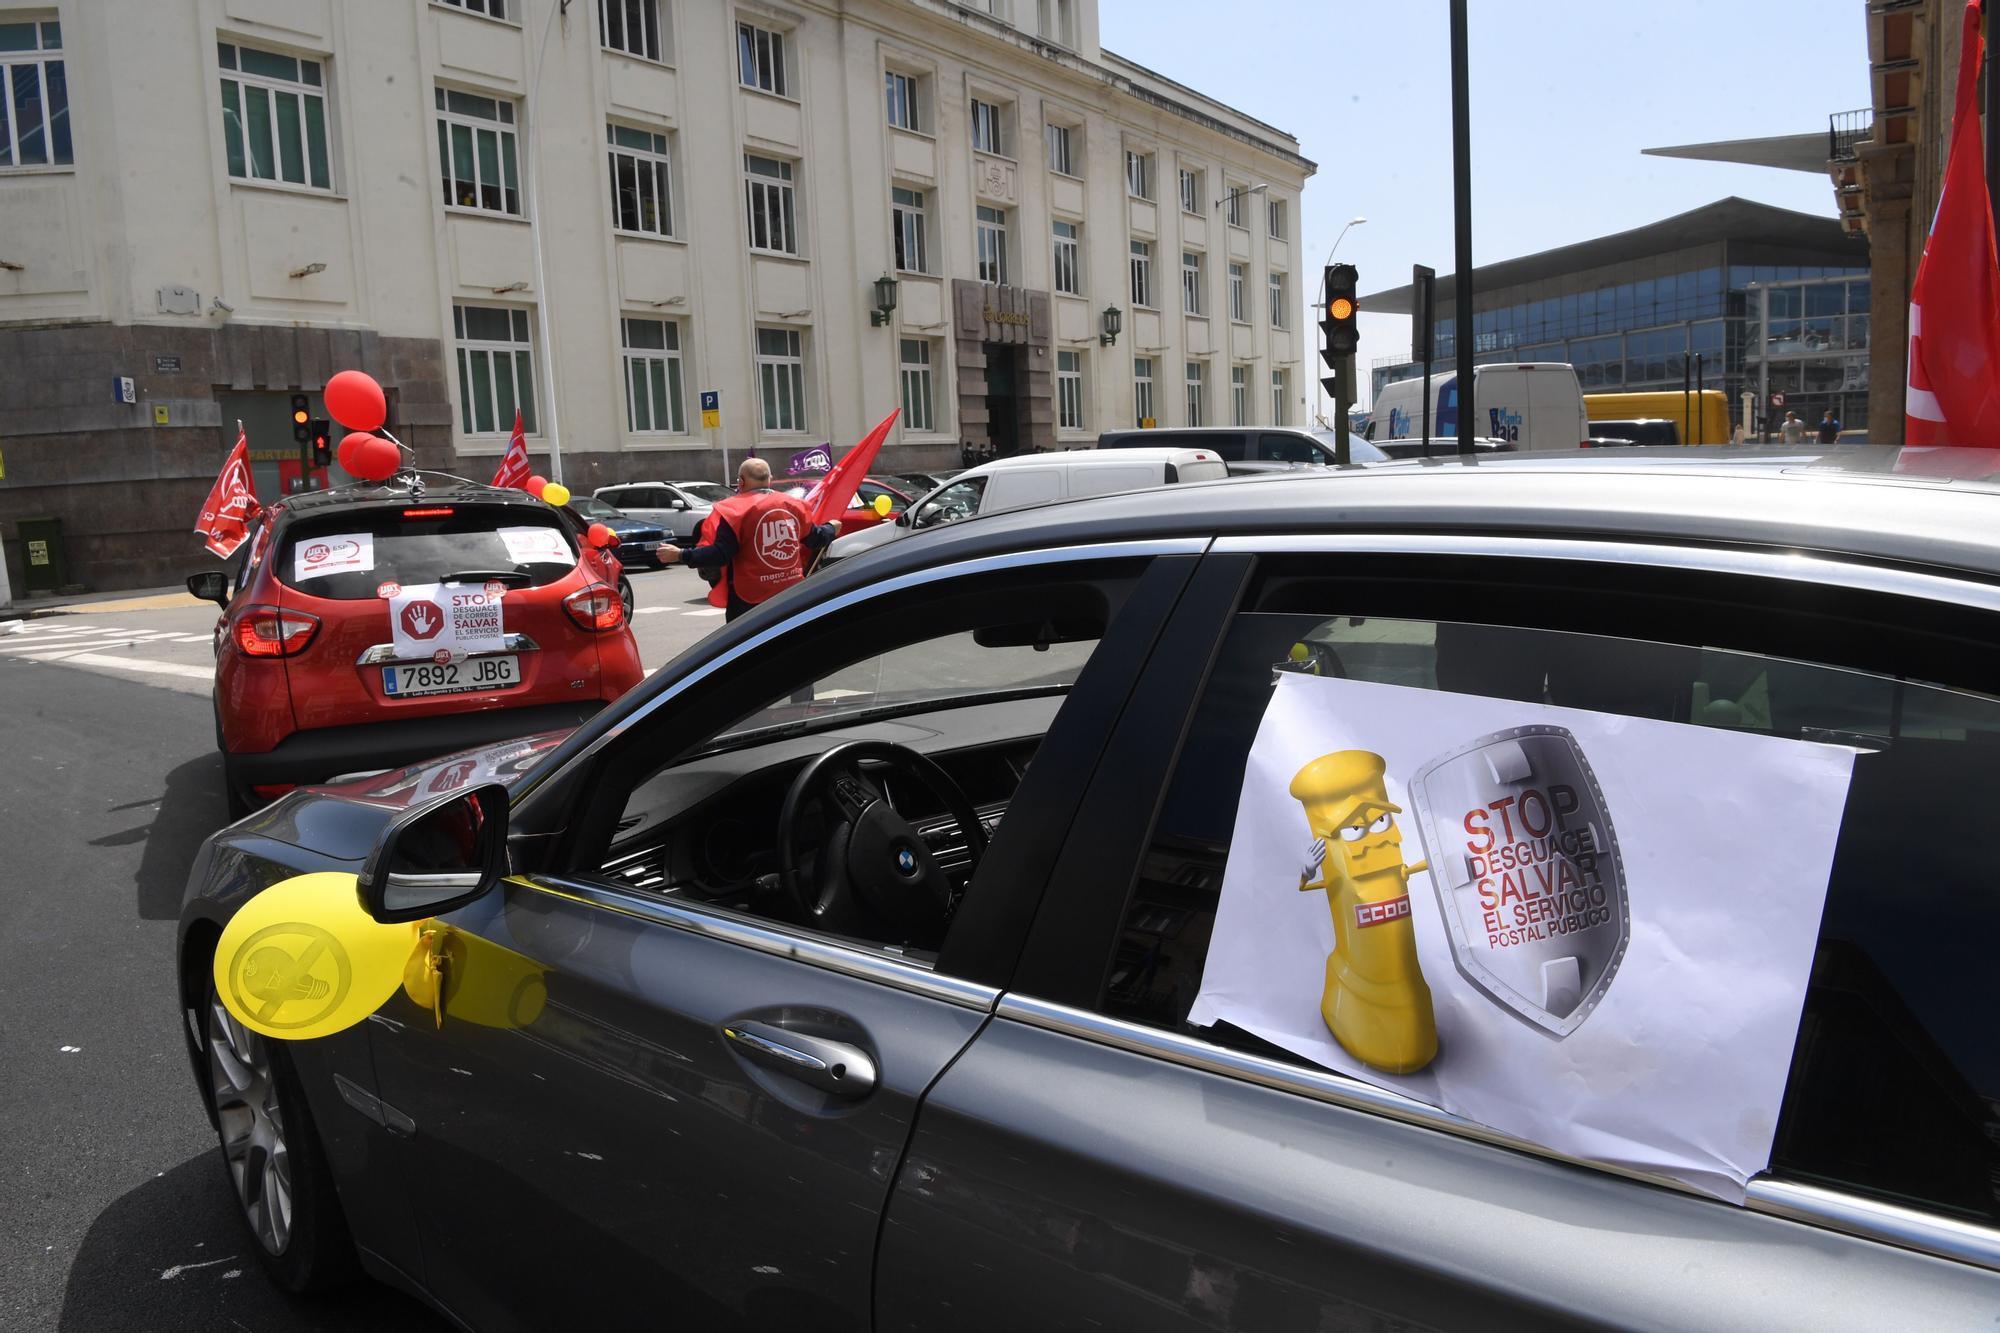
[1895,1073]
[956,501]
[1287,449]
[461,540]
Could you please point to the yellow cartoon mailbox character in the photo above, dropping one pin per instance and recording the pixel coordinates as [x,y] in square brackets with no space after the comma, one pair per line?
[1375,1002]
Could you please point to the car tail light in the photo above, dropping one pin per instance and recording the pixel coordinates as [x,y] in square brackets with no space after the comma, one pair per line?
[271,791]
[595,608]
[265,631]
[435,511]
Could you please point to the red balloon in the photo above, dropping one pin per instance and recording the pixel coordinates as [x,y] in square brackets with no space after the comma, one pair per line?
[355,400]
[601,536]
[345,454]
[371,458]
[535,485]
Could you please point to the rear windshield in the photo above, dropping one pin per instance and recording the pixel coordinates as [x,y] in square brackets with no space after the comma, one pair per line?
[349,556]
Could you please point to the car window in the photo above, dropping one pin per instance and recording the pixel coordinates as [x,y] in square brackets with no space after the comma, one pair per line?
[1272,448]
[592,507]
[958,500]
[707,492]
[348,556]
[1895,1070]
[865,493]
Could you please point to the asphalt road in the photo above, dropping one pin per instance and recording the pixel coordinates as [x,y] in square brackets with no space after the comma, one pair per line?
[115,1211]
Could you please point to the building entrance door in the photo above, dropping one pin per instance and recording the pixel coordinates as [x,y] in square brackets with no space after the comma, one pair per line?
[1002,412]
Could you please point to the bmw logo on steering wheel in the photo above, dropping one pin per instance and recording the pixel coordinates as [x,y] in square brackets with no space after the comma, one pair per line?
[906,861]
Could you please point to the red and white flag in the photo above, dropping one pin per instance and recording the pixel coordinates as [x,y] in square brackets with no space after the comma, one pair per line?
[1953,396]
[831,494]
[231,504]
[514,471]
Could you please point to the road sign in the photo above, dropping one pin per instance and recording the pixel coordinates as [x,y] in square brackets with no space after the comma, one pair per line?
[1777,400]
[711,408]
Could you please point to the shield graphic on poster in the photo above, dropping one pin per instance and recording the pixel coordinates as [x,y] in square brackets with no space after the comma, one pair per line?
[1526,869]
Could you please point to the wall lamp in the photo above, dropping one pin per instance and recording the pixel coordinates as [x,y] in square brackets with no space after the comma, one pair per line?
[1113,319]
[1258,188]
[309,270]
[885,301]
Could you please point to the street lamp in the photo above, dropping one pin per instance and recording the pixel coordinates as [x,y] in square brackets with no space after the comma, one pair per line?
[1258,188]
[885,301]
[1113,320]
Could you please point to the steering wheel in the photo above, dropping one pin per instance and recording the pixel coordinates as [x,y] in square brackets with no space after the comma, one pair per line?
[874,875]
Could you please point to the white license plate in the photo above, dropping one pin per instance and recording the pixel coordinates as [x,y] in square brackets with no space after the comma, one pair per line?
[474,673]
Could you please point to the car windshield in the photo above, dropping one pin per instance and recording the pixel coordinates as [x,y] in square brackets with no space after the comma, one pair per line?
[705,491]
[592,507]
[348,556]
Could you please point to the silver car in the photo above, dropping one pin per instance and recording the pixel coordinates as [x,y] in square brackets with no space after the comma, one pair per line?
[839,976]
[677,506]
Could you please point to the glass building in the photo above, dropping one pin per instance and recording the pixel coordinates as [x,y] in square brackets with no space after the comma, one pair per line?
[1756,299]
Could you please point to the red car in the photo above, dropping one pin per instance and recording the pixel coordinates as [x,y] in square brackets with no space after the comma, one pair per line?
[372,626]
[861,511]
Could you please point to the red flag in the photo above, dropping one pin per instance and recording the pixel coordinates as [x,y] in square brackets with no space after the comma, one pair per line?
[513,471]
[1953,396]
[831,494]
[231,504]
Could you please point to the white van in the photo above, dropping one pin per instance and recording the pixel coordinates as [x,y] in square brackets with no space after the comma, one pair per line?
[1531,404]
[1033,479]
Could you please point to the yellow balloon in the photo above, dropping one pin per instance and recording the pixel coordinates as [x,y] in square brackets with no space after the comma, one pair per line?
[302,959]
[883,504]
[556,493]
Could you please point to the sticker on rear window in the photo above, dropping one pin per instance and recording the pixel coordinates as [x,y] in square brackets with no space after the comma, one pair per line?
[536,546]
[339,553]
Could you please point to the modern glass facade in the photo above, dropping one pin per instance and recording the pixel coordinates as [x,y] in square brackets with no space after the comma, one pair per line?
[1625,332]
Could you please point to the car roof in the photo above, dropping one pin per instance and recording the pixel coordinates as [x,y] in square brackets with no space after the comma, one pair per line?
[438,488]
[1843,500]
[1092,456]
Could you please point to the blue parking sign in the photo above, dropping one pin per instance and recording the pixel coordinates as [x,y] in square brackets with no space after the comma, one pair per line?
[711,400]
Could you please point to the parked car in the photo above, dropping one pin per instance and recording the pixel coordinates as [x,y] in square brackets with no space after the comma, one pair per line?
[919,483]
[862,514]
[639,539]
[1645,430]
[1409,447]
[310,682]
[873,1010]
[1032,479]
[677,506]
[1249,451]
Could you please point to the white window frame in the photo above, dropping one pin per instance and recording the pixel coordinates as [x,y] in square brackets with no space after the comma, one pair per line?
[1197,386]
[1277,289]
[1055,21]
[1191,282]
[1281,398]
[1232,202]
[770,204]
[515,354]
[504,126]
[1239,395]
[1069,390]
[903,95]
[761,65]
[1239,295]
[652,175]
[1062,149]
[270,88]
[989,127]
[990,236]
[493,9]
[1142,391]
[1142,275]
[1190,190]
[909,229]
[1138,174]
[781,382]
[1068,250]
[645,39]
[1274,214]
[919,384]
[656,375]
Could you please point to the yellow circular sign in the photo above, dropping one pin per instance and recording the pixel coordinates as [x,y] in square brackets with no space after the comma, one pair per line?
[1342,308]
[302,959]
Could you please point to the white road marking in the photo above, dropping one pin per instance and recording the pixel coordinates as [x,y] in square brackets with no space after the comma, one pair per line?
[140,664]
[648,610]
[63,648]
[707,611]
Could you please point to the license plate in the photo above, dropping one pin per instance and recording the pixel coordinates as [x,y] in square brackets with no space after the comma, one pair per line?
[474,673]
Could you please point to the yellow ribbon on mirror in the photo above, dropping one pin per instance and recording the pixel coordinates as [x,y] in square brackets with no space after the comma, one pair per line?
[302,959]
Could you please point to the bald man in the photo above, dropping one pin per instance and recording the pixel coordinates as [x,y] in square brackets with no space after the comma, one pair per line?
[759,542]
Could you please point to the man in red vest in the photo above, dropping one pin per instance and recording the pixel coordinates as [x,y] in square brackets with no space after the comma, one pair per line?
[759,542]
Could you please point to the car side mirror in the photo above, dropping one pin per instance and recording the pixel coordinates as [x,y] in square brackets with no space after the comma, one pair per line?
[903,519]
[678,503]
[211,585]
[437,856]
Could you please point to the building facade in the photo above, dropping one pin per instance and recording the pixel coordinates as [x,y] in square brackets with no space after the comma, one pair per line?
[590,213]
[1754,299]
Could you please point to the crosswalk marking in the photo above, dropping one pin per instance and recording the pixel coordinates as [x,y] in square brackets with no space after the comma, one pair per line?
[142,665]
[709,611]
[33,649]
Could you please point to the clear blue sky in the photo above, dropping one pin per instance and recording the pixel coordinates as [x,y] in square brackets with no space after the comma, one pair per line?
[1564,95]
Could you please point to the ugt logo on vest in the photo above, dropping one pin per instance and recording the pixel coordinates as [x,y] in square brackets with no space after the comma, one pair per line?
[777,538]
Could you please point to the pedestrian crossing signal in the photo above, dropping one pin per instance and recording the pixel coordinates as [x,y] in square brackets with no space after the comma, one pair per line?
[321,432]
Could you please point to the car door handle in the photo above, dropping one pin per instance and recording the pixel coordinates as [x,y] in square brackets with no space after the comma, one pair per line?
[830,1066]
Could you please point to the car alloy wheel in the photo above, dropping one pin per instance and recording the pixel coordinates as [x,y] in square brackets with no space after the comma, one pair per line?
[251,1118]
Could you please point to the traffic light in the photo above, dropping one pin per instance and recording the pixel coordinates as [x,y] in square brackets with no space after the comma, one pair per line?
[322,442]
[301,418]
[1343,335]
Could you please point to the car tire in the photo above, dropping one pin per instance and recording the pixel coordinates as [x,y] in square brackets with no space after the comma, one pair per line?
[625,595]
[272,1158]
[235,794]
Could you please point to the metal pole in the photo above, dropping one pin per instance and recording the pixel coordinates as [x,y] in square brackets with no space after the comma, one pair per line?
[542,304]
[1686,401]
[1700,405]
[1764,364]
[1461,189]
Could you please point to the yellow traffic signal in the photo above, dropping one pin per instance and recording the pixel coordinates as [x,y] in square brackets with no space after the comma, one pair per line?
[300,416]
[1342,308]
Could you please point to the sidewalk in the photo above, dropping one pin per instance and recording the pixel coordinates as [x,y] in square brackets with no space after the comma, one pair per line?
[129,599]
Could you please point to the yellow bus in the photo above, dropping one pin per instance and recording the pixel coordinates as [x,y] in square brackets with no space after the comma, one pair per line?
[1701,418]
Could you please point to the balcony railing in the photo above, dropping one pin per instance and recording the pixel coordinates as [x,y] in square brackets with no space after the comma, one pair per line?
[1844,129]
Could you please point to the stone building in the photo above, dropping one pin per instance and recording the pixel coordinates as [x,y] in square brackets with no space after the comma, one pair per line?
[592,212]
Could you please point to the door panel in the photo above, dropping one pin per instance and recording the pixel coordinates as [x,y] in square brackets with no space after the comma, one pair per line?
[588,1141]
[1056,1183]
